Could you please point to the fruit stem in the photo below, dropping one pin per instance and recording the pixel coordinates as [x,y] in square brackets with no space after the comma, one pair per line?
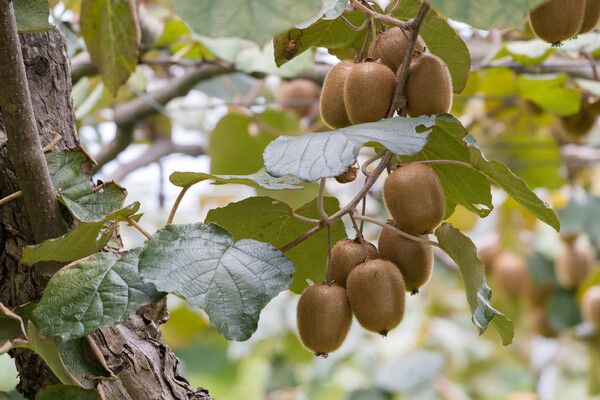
[360,236]
[371,179]
[352,26]
[322,213]
[327,272]
[306,219]
[364,47]
[374,33]
[396,230]
[381,17]
[393,10]
[363,212]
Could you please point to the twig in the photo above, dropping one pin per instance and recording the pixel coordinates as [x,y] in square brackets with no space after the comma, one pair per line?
[10,197]
[590,58]
[320,207]
[138,227]
[352,26]
[369,162]
[396,230]
[53,143]
[393,10]
[177,201]
[381,17]
[374,33]
[363,212]
[361,55]
[360,236]
[306,219]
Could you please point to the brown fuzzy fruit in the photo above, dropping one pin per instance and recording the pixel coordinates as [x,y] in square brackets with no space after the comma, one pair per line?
[557,20]
[345,255]
[415,199]
[323,317]
[368,92]
[573,264]
[376,294]
[391,47]
[428,88]
[414,259]
[333,109]
[591,16]
[590,306]
[581,123]
[302,91]
[539,322]
[511,271]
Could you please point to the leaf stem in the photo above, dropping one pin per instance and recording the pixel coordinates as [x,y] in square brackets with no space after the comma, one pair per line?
[176,204]
[352,26]
[360,236]
[451,162]
[306,219]
[10,197]
[320,208]
[396,230]
[137,226]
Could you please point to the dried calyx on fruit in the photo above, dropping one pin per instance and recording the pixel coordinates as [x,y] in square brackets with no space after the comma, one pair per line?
[345,255]
[557,20]
[323,318]
[376,294]
[413,259]
[391,46]
[415,199]
[347,176]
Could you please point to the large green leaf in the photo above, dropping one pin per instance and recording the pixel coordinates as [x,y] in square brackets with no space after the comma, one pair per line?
[101,290]
[487,14]
[110,30]
[442,40]
[323,154]
[464,253]
[32,15]
[258,179]
[87,238]
[12,330]
[271,221]
[66,392]
[75,188]
[563,310]
[255,20]
[231,280]
[549,92]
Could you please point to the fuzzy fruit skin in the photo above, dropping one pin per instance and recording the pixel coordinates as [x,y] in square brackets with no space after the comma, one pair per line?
[573,264]
[333,109]
[345,255]
[376,293]
[591,16]
[391,48]
[415,199]
[557,20]
[539,322]
[428,88]
[323,318]
[577,125]
[512,273]
[368,92]
[413,259]
[590,306]
[299,89]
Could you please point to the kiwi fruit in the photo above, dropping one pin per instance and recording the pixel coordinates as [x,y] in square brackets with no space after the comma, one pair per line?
[512,273]
[345,255]
[590,306]
[573,264]
[557,20]
[539,322]
[591,16]
[578,124]
[428,87]
[299,91]
[415,199]
[391,47]
[332,106]
[323,318]
[376,294]
[368,92]
[413,259]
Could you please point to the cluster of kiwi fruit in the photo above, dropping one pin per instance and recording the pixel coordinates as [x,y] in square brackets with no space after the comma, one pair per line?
[371,283]
[360,92]
[558,20]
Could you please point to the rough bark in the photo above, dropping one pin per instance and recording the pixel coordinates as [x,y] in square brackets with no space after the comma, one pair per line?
[133,350]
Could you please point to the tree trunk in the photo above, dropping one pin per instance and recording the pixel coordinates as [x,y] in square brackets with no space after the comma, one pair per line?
[133,350]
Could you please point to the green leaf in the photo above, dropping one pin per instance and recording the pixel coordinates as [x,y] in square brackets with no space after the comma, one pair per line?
[323,154]
[334,34]
[76,190]
[231,281]
[255,20]
[65,392]
[12,330]
[442,40]
[461,185]
[32,15]
[582,214]
[563,310]
[98,291]
[464,253]
[271,221]
[548,91]
[487,14]
[71,354]
[499,174]
[109,28]
[257,179]
[236,145]
[87,238]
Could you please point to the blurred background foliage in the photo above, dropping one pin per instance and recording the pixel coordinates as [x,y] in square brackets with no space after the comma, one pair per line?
[529,105]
